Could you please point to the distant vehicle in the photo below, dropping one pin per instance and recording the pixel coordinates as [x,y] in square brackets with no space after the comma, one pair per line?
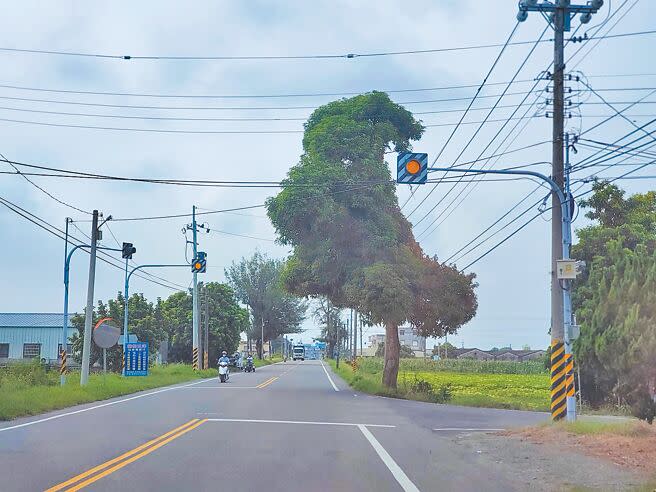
[311,352]
[298,352]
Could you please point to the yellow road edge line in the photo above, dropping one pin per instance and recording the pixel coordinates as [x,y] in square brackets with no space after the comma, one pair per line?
[134,458]
[268,382]
[93,470]
[261,385]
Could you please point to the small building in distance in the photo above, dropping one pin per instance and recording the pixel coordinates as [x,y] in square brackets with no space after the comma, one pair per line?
[408,337]
[503,354]
[33,336]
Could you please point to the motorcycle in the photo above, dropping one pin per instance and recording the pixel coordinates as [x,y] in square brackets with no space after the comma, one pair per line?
[224,372]
[248,366]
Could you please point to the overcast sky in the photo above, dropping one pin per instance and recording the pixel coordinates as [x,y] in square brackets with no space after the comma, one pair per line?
[514,283]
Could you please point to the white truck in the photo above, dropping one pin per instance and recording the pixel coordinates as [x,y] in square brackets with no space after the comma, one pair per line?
[298,352]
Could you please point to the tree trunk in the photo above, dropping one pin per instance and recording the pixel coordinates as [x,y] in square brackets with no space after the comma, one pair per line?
[392,349]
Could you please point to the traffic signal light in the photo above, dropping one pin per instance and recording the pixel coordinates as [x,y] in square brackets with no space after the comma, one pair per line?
[128,250]
[199,265]
[411,168]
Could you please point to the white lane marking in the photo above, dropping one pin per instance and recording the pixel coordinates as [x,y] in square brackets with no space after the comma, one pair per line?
[466,429]
[329,378]
[221,387]
[257,421]
[400,476]
[102,405]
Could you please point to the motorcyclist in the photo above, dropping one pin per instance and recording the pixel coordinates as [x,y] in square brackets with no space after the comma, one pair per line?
[224,357]
[249,361]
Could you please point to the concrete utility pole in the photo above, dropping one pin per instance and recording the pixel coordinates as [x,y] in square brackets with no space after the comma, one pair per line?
[361,342]
[355,340]
[262,341]
[88,315]
[557,173]
[194,301]
[560,14]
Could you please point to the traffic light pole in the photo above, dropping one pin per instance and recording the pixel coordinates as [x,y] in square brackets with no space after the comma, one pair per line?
[565,222]
[565,237]
[62,372]
[126,294]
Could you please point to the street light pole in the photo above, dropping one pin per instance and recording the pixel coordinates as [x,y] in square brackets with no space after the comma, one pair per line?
[126,295]
[62,371]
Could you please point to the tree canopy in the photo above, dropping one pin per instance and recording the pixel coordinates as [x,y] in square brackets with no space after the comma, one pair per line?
[615,300]
[257,283]
[339,211]
[170,320]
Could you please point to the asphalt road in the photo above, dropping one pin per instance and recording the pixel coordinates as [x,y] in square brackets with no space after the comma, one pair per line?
[288,427]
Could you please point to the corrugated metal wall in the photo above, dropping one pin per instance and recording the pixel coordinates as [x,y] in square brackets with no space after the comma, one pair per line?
[49,338]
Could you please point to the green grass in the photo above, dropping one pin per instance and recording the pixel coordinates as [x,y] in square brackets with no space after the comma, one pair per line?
[29,390]
[510,391]
[590,427]
[375,364]
[266,362]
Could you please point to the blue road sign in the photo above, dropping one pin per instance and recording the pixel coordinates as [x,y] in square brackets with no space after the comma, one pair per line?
[411,168]
[136,359]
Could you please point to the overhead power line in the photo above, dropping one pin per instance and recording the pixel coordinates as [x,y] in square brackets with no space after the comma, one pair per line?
[43,190]
[320,56]
[55,231]
[249,96]
[471,102]
[480,127]
[254,132]
[516,231]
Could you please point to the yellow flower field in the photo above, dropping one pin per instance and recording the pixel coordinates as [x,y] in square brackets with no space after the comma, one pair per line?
[518,391]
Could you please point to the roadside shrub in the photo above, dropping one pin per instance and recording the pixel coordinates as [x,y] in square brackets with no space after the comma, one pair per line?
[644,407]
[423,387]
[25,374]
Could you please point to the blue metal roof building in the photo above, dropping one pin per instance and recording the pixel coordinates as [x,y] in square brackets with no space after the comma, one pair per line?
[32,335]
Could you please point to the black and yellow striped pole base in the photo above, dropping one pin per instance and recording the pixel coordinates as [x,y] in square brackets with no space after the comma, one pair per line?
[195,359]
[569,370]
[62,367]
[123,363]
[558,380]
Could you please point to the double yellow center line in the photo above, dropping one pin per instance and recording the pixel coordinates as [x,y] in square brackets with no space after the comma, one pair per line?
[267,382]
[96,473]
